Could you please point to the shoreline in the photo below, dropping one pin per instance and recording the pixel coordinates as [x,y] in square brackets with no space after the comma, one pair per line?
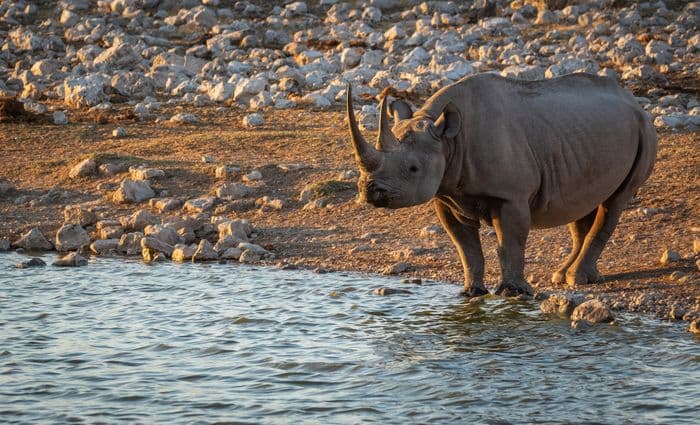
[301,203]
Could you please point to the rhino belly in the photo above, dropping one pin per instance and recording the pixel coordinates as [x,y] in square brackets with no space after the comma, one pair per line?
[568,198]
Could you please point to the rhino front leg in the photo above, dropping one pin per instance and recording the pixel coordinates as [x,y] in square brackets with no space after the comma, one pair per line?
[465,236]
[512,224]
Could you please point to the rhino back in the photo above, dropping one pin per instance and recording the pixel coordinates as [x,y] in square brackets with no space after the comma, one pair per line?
[563,145]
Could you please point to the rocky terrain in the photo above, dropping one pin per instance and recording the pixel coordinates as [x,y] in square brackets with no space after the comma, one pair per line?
[212,130]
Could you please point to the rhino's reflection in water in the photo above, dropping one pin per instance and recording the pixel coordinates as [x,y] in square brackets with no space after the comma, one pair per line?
[125,342]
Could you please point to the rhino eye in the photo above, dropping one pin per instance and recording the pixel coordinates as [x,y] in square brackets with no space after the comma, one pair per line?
[413,169]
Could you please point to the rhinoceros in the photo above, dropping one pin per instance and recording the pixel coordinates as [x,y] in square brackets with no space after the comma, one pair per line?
[515,155]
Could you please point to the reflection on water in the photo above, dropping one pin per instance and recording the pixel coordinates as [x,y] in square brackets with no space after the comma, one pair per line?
[126,342]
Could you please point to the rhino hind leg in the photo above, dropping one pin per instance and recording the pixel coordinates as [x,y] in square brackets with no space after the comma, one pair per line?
[578,230]
[584,269]
[465,236]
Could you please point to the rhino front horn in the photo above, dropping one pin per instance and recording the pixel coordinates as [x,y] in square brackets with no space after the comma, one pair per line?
[367,157]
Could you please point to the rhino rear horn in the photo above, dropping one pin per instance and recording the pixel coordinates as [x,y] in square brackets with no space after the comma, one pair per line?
[386,140]
[367,157]
[401,110]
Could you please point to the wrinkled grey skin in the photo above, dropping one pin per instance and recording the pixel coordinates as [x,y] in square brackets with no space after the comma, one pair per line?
[514,155]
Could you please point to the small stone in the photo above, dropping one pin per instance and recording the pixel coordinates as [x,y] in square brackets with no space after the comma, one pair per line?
[182,252]
[206,159]
[104,246]
[592,311]
[139,220]
[145,173]
[72,259]
[71,237]
[226,171]
[359,248]
[694,326]
[670,256]
[252,176]
[155,244]
[133,191]
[390,291]
[558,304]
[205,252]
[677,275]
[231,254]
[119,132]
[239,229]
[249,256]
[60,118]
[199,205]
[397,268]
[130,243]
[165,204]
[676,313]
[33,262]
[184,118]
[431,231]
[232,191]
[84,168]
[253,120]
[79,215]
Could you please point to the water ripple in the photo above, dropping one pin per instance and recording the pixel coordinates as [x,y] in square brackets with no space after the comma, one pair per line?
[123,342]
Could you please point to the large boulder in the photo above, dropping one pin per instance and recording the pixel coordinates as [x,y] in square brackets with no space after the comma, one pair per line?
[71,237]
[33,240]
[133,191]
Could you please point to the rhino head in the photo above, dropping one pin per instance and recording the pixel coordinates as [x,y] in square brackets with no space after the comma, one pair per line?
[407,164]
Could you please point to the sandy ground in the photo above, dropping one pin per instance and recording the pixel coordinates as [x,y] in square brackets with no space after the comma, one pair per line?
[36,157]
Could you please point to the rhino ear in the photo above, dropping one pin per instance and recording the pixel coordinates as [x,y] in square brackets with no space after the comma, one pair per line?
[448,123]
[401,110]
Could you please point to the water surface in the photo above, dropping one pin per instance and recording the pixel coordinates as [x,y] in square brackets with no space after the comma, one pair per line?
[120,341]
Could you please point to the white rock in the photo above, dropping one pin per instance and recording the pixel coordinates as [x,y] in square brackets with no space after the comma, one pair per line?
[84,168]
[184,118]
[221,92]
[83,91]
[253,120]
[133,191]
[119,132]
[60,118]
[232,191]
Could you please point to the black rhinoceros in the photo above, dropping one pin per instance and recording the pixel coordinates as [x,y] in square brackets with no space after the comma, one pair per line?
[515,155]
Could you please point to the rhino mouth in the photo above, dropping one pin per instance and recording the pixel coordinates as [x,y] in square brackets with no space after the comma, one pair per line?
[376,195]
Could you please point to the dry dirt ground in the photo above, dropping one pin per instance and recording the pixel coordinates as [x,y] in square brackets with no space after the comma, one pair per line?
[36,156]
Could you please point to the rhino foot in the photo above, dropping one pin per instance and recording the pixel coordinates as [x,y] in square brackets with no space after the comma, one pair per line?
[514,288]
[583,277]
[558,277]
[474,291]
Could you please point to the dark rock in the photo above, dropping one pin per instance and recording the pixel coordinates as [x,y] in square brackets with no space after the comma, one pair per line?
[33,262]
